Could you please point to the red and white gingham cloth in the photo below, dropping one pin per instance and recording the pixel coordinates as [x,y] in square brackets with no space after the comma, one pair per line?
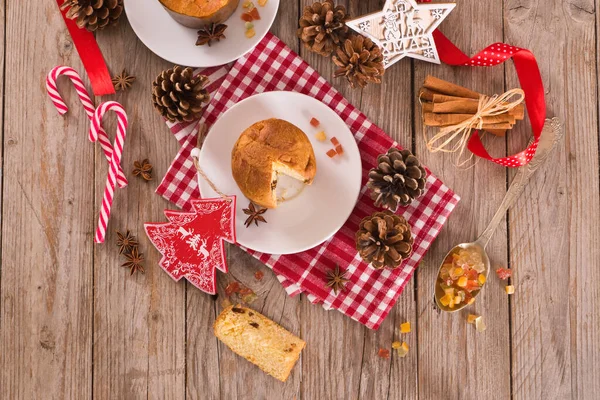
[370,293]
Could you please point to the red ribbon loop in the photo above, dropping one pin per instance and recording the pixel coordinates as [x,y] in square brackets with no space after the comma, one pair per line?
[529,78]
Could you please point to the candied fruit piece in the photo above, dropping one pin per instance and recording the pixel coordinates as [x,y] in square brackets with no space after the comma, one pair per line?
[384,353]
[247,17]
[471,318]
[334,141]
[321,136]
[449,291]
[331,153]
[314,122]
[339,149]
[254,13]
[405,327]
[445,300]
[462,281]
[471,274]
[258,275]
[396,345]
[233,287]
[250,33]
[481,279]
[479,324]
[249,25]
[472,285]
[247,4]
[262,3]
[510,289]
[402,350]
[471,300]
[503,273]
[457,300]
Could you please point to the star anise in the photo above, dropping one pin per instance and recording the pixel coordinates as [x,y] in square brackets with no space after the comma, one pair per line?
[336,279]
[254,215]
[134,261]
[126,242]
[143,169]
[211,32]
[123,81]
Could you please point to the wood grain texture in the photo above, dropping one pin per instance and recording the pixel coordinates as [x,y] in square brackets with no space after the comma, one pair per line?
[554,227]
[455,361]
[139,320]
[46,287]
[73,324]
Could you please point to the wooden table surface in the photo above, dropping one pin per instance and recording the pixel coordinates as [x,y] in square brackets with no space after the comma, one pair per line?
[75,325]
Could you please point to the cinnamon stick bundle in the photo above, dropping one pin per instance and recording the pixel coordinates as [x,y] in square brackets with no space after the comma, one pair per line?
[447,104]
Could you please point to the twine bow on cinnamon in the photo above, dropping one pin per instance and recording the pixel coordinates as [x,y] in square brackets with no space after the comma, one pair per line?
[488,110]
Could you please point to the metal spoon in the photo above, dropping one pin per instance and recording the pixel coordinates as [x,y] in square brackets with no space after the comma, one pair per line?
[551,135]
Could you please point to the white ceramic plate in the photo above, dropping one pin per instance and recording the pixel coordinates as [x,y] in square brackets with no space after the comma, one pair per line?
[177,44]
[320,209]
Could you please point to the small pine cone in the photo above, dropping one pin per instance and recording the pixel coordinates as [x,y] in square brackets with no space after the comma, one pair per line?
[360,61]
[398,179]
[93,14]
[384,240]
[323,27]
[178,95]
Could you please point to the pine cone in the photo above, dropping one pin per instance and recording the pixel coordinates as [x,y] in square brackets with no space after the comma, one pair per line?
[93,14]
[360,61]
[384,240]
[178,95]
[398,179]
[323,27]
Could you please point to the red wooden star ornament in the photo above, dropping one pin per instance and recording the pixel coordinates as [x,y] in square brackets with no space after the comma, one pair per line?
[192,242]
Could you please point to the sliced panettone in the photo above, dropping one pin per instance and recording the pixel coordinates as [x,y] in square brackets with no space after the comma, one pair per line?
[259,340]
[266,149]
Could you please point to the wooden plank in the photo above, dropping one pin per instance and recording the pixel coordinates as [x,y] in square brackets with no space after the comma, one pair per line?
[389,105]
[239,378]
[139,321]
[454,360]
[46,288]
[333,357]
[554,231]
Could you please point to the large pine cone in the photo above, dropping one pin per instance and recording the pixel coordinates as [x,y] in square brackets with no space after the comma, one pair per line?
[360,61]
[93,14]
[398,179]
[178,95]
[323,27]
[384,240]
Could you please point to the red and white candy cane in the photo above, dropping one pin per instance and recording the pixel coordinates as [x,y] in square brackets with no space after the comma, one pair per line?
[115,159]
[88,105]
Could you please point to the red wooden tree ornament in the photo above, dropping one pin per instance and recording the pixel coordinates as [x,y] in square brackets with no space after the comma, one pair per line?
[192,242]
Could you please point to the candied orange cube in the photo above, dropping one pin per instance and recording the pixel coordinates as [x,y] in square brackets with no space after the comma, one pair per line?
[334,141]
[339,149]
[457,300]
[314,122]
[250,33]
[462,281]
[510,289]
[449,291]
[471,300]
[262,3]
[445,300]
[405,327]
[396,345]
[481,279]
[331,153]
[321,136]
[471,318]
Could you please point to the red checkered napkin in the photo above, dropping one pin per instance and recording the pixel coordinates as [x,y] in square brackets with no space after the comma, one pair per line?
[370,293]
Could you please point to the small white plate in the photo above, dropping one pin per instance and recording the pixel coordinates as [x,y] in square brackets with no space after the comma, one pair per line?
[177,44]
[320,209]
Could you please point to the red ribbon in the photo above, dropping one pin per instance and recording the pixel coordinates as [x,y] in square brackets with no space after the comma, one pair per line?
[90,55]
[531,83]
